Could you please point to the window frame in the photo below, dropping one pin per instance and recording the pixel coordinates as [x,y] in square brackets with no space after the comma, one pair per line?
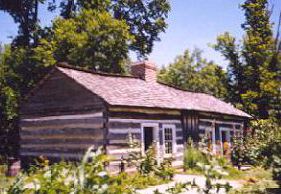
[174,143]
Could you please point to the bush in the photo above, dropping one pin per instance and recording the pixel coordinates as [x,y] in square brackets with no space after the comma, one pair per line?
[89,176]
[192,156]
[147,164]
[257,181]
[272,153]
[261,147]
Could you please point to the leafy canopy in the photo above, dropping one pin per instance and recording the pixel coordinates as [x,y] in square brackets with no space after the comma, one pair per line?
[91,39]
[146,19]
[191,71]
[254,63]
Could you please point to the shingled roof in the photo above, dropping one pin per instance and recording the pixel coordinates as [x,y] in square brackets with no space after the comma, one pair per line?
[137,92]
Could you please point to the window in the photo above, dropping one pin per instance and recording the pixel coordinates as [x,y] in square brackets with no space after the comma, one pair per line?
[168,140]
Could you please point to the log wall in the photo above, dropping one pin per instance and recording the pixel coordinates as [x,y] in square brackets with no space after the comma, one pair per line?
[61,120]
[121,124]
[59,95]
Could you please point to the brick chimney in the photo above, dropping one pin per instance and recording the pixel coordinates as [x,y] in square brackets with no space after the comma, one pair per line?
[145,70]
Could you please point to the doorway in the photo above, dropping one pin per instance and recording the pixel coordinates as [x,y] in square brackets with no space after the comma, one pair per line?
[148,137]
[225,141]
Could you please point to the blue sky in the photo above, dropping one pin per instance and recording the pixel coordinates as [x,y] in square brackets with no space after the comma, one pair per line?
[191,23]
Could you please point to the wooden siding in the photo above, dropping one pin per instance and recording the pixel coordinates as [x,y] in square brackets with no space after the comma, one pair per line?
[121,124]
[61,120]
[65,134]
[59,95]
[190,125]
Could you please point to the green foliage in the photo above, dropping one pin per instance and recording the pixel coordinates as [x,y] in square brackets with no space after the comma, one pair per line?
[5,181]
[193,156]
[272,151]
[261,147]
[136,181]
[91,39]
[191,71]
[88,176]
[165,170]
[8,96]
[253,78]
[257,181]
[202,155]
[93,34]
[213,172]
[25,14]
[8,103]
[146,19]
[252,148]
[147,164]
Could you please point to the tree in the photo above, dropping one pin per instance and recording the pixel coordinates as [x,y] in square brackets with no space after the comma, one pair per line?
[94,34]
[146,19]
[7,94]
[8,105]
[192,72]
[253,64]
[24,13]
[92,39]
[227,45]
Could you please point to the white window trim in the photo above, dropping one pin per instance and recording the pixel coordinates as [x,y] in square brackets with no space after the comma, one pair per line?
[174,144]
[155,127]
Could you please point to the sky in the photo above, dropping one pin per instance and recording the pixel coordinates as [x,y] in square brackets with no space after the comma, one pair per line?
[191,24]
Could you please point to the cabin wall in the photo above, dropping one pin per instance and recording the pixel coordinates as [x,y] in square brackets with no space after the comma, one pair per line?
[216,128]
[190,123]
[61,120]
[59,94]
[121,124]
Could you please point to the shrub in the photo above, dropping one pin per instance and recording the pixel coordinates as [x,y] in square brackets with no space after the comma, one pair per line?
[88,176]
[193,156]
[147,164]
[165,171]
[261,147]
[272,153]
[212,173]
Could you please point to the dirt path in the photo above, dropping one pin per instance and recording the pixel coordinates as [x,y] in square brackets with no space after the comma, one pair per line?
[181,178]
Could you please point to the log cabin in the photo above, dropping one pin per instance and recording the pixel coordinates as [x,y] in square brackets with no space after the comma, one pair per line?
[72,109]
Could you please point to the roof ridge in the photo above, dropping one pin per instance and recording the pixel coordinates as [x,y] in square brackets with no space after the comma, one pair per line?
[68,66]
[181,89]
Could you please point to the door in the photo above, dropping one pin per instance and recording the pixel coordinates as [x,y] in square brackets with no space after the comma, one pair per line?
[148,137]
[225,142]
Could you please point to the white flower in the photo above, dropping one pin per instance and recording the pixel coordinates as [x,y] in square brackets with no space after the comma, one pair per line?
[35,184]
[104,187]
[102,174]
[47,174]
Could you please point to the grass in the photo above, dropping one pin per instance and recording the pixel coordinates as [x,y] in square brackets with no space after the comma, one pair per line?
[256,181]
[138,181]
